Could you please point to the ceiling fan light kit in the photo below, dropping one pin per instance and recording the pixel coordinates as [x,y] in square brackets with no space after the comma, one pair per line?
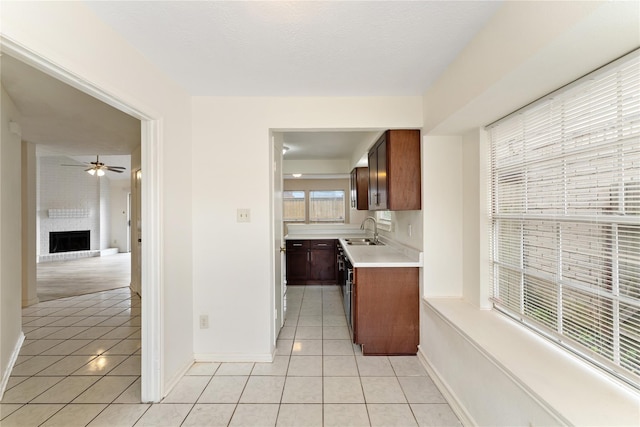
[98,168]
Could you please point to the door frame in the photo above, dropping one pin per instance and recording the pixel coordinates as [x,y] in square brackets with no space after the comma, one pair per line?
[152,380]
[278,287]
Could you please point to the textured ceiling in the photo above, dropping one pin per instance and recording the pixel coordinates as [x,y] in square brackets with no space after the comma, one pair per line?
[272,48]
[299,48]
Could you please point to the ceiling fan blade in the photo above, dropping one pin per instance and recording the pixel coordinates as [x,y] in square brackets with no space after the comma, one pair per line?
[117,167]
[109,168]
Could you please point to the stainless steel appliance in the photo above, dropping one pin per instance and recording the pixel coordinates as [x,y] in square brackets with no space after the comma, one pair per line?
[347,290]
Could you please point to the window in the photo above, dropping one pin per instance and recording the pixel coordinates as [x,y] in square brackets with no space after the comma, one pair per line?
[326,206]
[565,212]
[294,206]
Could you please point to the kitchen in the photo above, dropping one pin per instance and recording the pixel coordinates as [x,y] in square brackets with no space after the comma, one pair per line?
[377,273]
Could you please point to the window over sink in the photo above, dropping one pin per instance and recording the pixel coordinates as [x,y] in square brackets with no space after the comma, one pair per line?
[314,206]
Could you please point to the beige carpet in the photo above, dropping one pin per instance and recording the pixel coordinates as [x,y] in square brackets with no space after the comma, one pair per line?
[61,279]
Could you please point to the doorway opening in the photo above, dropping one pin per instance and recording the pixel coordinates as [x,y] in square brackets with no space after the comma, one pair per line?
[149,155]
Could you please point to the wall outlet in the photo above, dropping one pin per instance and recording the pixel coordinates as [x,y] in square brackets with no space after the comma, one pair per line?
[204,321]
[244,215]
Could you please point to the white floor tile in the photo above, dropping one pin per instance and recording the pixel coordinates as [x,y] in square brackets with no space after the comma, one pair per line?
[302,390]
[66,390]
[297,415]
[105,390]
[254,415]
[74,415]
[121,415]
[429,415]
[165,415]
[421,390]
[305,366]
[343,390]
[390,415]
[30,415]
[235,369]
[263,389]
[339,366]
[346,415]
[223,389]
[382,390]
[278,367]
[210,415]
[98,370]
[187,390]
[29,389]
[203,368]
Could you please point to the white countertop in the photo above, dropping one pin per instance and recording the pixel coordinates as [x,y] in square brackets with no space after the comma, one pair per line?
[387,255]
[391,254]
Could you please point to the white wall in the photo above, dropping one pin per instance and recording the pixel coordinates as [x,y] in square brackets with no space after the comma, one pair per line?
[527,50]
[69,34]
[10,239]
[119,196]
[334,166]
[232,261]
[442,206]
[29,227]
[65,187]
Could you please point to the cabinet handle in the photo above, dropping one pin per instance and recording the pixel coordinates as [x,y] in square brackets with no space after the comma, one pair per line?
[321,244]
[297,244]
[309,256]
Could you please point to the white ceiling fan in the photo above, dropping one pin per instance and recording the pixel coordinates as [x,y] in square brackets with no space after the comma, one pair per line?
[98,168]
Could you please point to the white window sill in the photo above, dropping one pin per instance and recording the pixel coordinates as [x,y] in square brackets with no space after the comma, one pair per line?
[570,387]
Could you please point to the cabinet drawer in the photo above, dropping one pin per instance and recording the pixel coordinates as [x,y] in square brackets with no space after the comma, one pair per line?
[323,244]
[297,244]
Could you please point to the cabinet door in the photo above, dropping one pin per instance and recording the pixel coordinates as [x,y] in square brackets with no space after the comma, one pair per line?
[297,260]
[378,175]
[322,261]
[354,189]
[373,179]
[360,188]
[382,173]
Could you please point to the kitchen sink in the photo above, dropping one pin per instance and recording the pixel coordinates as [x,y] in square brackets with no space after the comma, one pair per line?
[362,242]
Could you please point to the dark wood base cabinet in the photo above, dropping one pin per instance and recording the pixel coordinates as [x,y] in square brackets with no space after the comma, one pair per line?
[385,310]
[311,262]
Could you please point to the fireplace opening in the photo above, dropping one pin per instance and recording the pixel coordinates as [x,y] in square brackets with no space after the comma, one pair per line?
[68,241]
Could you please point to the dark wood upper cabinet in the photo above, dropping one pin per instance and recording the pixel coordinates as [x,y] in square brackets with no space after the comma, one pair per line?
[394,171]
[360,188]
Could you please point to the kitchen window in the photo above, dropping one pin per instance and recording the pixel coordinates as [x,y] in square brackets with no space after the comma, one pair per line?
[565,213]
[326,206]
[314,206]
[294,206]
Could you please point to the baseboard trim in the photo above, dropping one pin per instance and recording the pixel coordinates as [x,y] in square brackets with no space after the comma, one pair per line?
[460,411]
[169,385]
[212,357]
[29,302]
[14,356]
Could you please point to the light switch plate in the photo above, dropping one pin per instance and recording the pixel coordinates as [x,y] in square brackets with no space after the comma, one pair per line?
[244,215]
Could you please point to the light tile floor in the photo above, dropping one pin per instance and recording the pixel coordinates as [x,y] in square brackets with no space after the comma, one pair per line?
[80,366]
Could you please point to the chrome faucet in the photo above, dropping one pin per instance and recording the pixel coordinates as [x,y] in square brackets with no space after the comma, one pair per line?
[375,228]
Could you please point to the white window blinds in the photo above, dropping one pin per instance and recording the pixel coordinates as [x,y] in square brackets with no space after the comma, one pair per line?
[565,180]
